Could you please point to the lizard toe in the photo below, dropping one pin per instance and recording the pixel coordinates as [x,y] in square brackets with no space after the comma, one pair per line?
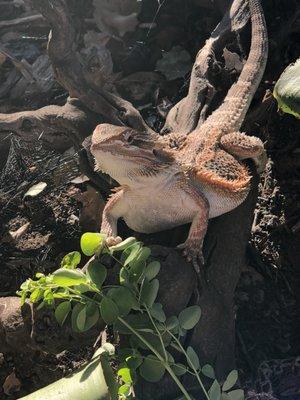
[193,253]
[113,240]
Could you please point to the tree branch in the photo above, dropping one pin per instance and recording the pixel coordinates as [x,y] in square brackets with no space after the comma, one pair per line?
[70,72]
[191,111]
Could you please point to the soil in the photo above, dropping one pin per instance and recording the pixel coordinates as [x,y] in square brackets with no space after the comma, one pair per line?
[267,300]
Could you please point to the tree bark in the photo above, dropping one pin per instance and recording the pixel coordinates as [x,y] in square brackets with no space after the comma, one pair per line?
[190,112]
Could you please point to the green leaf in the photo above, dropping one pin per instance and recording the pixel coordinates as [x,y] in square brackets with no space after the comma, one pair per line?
[123,245]
[179,369]
[134,361]
[125,375]
[149,292]
[136,270]
[170,358]
[124,390]
[138,265]
[68,277]
[192,358]
[225,396]
[237,394]
[84,317]
[96,272]
[62,311]
[152,370]
[26,285]
[124,299]
[215,391]
[48,297]
[134,251]
[144,254]
[23,297]
[109,310]
[75,311]
[189,317]
[171,323]
[90,242]
[152,270]
[137,321]
[157,312]
[181,331]
[83,288]
[81,318]
[71,260]
[36,295]
[287,90]
[152,339]
[92,316]
[208,371]
[124,276]
[230,380]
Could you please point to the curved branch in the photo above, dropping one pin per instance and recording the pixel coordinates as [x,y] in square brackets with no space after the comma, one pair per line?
[58,128]
[69,72]
[190,112]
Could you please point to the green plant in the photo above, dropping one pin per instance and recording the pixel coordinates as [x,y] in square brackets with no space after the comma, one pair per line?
[287,90]
[131,308]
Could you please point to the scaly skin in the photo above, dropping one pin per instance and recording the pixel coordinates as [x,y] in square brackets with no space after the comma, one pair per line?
[205,177]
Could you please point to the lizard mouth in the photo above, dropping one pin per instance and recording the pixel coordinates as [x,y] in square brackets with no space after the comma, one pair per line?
[123,151]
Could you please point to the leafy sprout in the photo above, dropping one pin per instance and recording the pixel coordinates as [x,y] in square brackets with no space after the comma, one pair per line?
[82,298]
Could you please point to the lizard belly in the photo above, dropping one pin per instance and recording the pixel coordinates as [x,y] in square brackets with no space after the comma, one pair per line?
[151,211]
[221,202]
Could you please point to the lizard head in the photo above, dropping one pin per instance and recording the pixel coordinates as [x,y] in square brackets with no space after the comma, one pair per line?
[122,152]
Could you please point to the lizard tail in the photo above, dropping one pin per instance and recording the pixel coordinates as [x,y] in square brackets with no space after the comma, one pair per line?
[230,115]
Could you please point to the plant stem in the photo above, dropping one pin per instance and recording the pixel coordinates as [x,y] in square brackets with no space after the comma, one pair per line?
[158,333]
[165,364]
[191,364]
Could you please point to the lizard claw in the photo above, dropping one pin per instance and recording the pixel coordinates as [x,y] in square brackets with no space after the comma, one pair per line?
[113,240]
[193,253]
[261,162]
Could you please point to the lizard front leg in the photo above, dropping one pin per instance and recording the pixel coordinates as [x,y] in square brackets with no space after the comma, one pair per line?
[194,242]
[111,213]
[243,146]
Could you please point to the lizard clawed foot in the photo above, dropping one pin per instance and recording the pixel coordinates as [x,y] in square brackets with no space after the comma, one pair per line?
[113,240]
[193,253]
[261,162]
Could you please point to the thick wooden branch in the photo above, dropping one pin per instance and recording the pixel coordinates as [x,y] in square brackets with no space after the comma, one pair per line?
[191,111]
[30,22]
[57,128]
[69,70]
[53,125]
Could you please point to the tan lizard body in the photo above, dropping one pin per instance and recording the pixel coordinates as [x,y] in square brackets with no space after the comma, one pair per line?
[203,178]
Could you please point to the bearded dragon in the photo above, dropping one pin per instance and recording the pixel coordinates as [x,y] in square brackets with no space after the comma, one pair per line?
[205,177]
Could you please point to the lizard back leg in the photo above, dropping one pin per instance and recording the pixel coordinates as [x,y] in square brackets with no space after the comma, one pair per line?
[243,146]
